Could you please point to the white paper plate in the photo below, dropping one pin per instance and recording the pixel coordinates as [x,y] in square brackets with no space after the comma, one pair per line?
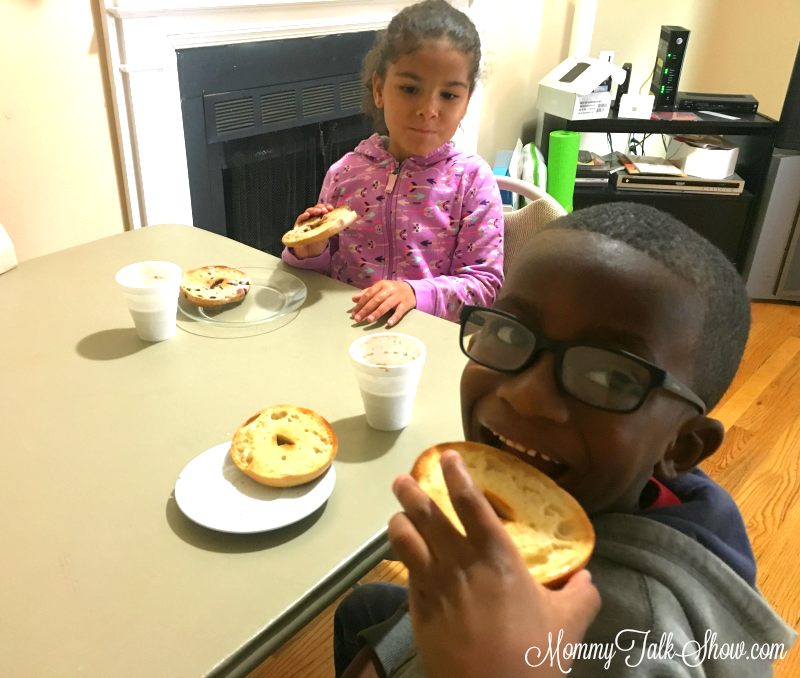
[214,493]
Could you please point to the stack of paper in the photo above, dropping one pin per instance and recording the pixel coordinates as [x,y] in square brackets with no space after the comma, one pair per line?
[648,164]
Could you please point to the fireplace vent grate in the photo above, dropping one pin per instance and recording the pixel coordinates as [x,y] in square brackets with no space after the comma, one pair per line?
[234,115]
[231,115]
[350,95]
[318,100]
[278,107]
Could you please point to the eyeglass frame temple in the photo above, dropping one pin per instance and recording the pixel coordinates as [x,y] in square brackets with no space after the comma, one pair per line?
[676,386]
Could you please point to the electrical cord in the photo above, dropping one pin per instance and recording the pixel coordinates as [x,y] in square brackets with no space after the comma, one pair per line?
[670,157]
[649,77]
[636,146]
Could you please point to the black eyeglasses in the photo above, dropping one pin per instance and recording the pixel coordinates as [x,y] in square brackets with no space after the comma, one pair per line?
[611,380]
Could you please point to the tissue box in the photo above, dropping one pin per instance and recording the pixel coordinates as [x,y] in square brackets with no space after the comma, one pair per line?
[709,157]
[636,106]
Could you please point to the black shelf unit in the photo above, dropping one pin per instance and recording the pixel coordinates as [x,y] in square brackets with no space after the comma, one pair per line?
[726,220]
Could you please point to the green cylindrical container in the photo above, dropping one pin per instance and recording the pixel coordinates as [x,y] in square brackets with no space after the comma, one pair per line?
[562,162]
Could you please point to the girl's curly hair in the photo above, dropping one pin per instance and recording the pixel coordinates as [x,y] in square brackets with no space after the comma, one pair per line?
[428,20]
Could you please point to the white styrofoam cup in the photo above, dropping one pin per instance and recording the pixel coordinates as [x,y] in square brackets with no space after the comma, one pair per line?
[387,366]
[150,289]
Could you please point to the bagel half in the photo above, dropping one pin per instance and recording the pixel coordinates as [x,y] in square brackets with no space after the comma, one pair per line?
[212,286]
[548,526]
[284,446]
[319,228]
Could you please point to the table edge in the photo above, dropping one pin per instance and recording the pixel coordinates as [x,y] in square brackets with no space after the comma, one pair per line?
[246,659]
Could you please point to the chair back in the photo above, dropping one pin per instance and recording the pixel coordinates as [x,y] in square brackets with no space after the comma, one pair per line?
[521,225]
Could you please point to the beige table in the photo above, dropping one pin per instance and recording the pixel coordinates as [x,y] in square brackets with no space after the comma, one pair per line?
[100,573]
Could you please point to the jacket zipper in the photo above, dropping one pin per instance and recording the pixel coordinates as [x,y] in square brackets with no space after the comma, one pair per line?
[389,221]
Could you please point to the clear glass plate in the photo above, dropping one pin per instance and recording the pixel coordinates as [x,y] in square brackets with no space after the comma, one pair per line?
[272,302]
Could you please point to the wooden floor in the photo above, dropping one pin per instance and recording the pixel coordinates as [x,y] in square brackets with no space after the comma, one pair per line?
[759,464]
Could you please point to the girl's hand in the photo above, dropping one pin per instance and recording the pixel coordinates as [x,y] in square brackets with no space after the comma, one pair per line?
[381,298]
[315,248]
[475,609]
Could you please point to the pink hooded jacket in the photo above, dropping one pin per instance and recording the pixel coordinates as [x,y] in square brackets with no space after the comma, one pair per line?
[435,222]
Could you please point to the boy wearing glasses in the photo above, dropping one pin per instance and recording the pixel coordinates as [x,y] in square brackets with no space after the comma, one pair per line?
[617,329]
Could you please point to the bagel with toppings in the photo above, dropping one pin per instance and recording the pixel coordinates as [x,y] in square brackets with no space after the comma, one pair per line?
[212,286]
[284,446]
[548,526]
[319,228]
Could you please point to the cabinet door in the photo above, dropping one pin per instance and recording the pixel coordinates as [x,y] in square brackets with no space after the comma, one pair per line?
[789,284]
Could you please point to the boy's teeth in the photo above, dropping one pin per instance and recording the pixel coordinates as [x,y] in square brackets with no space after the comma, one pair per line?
[517,446]
[521,448]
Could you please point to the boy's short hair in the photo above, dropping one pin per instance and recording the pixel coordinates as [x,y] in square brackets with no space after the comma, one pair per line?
[692,258]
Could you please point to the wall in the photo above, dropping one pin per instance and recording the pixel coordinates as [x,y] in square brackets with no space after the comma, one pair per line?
[751,50]
[58,178]
[735,47]
[523,40]
[632,31]
[58,157]
[59,163]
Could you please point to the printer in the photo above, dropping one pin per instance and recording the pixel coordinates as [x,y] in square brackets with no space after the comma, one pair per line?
[568,91]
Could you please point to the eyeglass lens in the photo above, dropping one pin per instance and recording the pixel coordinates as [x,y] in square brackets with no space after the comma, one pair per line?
[592,375]
[497,341]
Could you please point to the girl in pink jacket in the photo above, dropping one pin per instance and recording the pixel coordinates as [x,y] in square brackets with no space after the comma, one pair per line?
[429,232]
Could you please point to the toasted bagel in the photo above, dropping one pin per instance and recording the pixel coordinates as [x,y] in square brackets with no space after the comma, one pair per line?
[319,228]
[284,446]
[548,526]
[212,286]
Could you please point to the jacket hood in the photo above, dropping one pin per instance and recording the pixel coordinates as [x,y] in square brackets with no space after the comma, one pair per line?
[374,150]
[709,515]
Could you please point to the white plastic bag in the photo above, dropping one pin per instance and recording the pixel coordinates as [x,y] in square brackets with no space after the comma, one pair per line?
[534,169]
[8,258]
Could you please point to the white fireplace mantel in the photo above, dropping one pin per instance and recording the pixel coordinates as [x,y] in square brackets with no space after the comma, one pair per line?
[141,39]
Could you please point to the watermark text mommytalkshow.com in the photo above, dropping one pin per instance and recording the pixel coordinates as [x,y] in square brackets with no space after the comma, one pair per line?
[635,647]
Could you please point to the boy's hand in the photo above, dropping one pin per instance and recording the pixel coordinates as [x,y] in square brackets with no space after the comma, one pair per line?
[315,248]
[381,298]
[475,609]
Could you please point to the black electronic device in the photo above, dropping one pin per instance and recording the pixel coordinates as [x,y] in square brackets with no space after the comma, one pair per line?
[623,88]
[667,69]
[721,103]
[788,133]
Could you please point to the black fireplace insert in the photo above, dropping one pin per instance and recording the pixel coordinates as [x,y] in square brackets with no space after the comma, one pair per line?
[263,122]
